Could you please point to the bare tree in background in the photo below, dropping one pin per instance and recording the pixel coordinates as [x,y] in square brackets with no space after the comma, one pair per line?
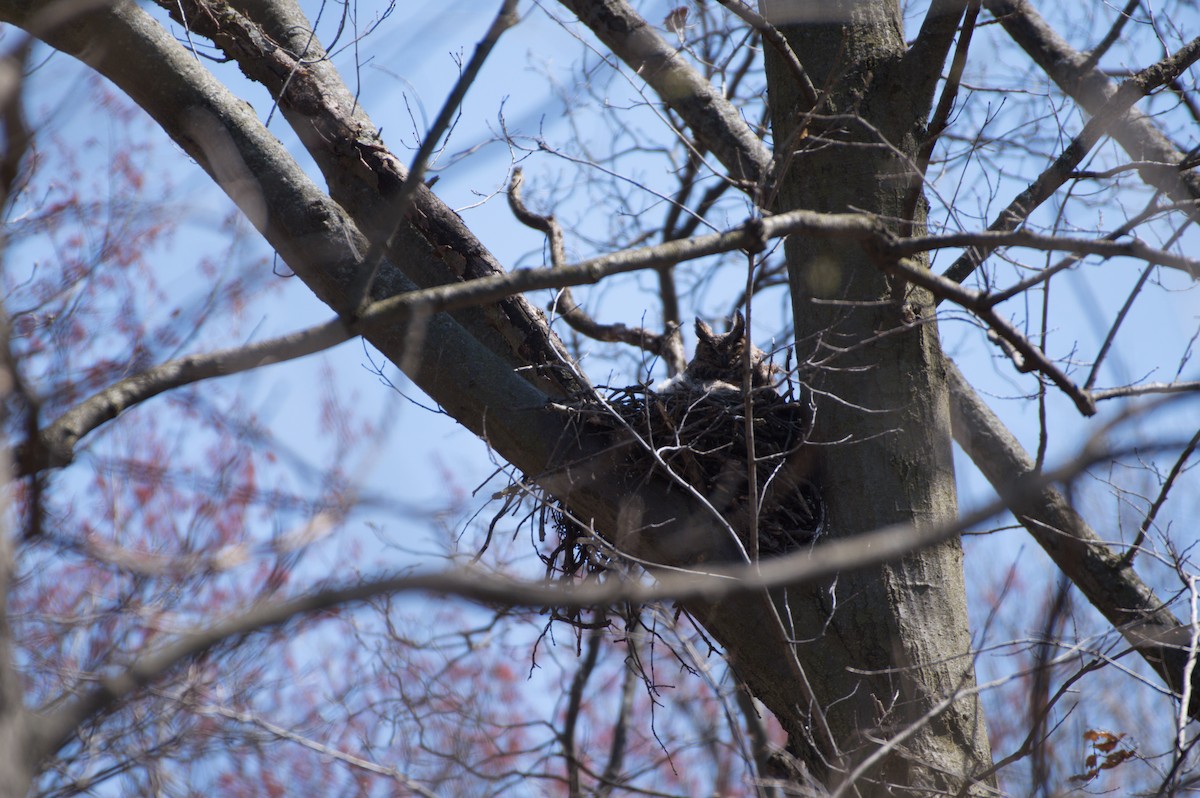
[875,170]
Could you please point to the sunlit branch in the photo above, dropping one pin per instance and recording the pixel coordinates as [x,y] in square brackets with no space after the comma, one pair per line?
[1091,88]
[714,121]
[1111,114]
[359,170]
[860,227]
[1147,389]
[54,446]
[1116,591]
[1102,247]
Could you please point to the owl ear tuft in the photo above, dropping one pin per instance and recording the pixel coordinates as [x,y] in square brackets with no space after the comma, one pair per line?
[738,326]
[703,331]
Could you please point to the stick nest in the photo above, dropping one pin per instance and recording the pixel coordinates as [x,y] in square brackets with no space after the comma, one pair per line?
[699,433]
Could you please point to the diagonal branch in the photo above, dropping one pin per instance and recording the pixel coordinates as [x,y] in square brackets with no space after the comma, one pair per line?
[399,203]
[941,114]
[1091,88]
[716,123]
[1023,352]
[773,37]
[1109,116]
[54,446]
[274,44]
[1110,584]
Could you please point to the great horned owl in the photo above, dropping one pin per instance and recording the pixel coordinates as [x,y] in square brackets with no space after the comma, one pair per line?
[720,362]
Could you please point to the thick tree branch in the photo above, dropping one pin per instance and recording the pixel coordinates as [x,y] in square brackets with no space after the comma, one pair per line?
[941,114]
[1091,88]
[312,233]
[1109,584]
[714,121]
[274,44]
[1115,111]
[928,53]
[485,377]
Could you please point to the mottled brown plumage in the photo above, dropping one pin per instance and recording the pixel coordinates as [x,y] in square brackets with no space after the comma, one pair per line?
[721,357]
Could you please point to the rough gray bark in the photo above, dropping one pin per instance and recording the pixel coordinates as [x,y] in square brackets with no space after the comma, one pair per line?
[895,638]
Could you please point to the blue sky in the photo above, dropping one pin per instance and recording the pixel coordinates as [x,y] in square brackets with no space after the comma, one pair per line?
[426,462]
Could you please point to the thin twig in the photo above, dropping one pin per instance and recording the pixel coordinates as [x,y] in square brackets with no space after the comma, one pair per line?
[1063,167]
[54,446]
[773,37]
[1159,501]
[324,749]
[568,308]
[507,17]
[1114,33]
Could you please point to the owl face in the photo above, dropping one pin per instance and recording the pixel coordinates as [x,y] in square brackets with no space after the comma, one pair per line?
[720,356]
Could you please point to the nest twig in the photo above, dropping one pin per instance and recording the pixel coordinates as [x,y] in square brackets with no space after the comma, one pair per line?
[700,435]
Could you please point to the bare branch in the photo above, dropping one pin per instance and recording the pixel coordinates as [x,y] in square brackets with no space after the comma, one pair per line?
[1113,35]
[574,704]
[1113,588]
[1160,500]
[54,446]
[861,227]
[568,308]
[1022,238]
[773,37]
[433,246]
[1146,389]
[941,114]
[716,124]
[706,586]
[1112,114]
[399,204]
[1092,89]
[282,733]
[1025,355]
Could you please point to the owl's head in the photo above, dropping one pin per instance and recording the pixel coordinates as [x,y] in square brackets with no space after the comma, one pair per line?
[720,356]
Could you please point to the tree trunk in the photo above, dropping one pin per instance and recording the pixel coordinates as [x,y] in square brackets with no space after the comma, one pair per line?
[884,646]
